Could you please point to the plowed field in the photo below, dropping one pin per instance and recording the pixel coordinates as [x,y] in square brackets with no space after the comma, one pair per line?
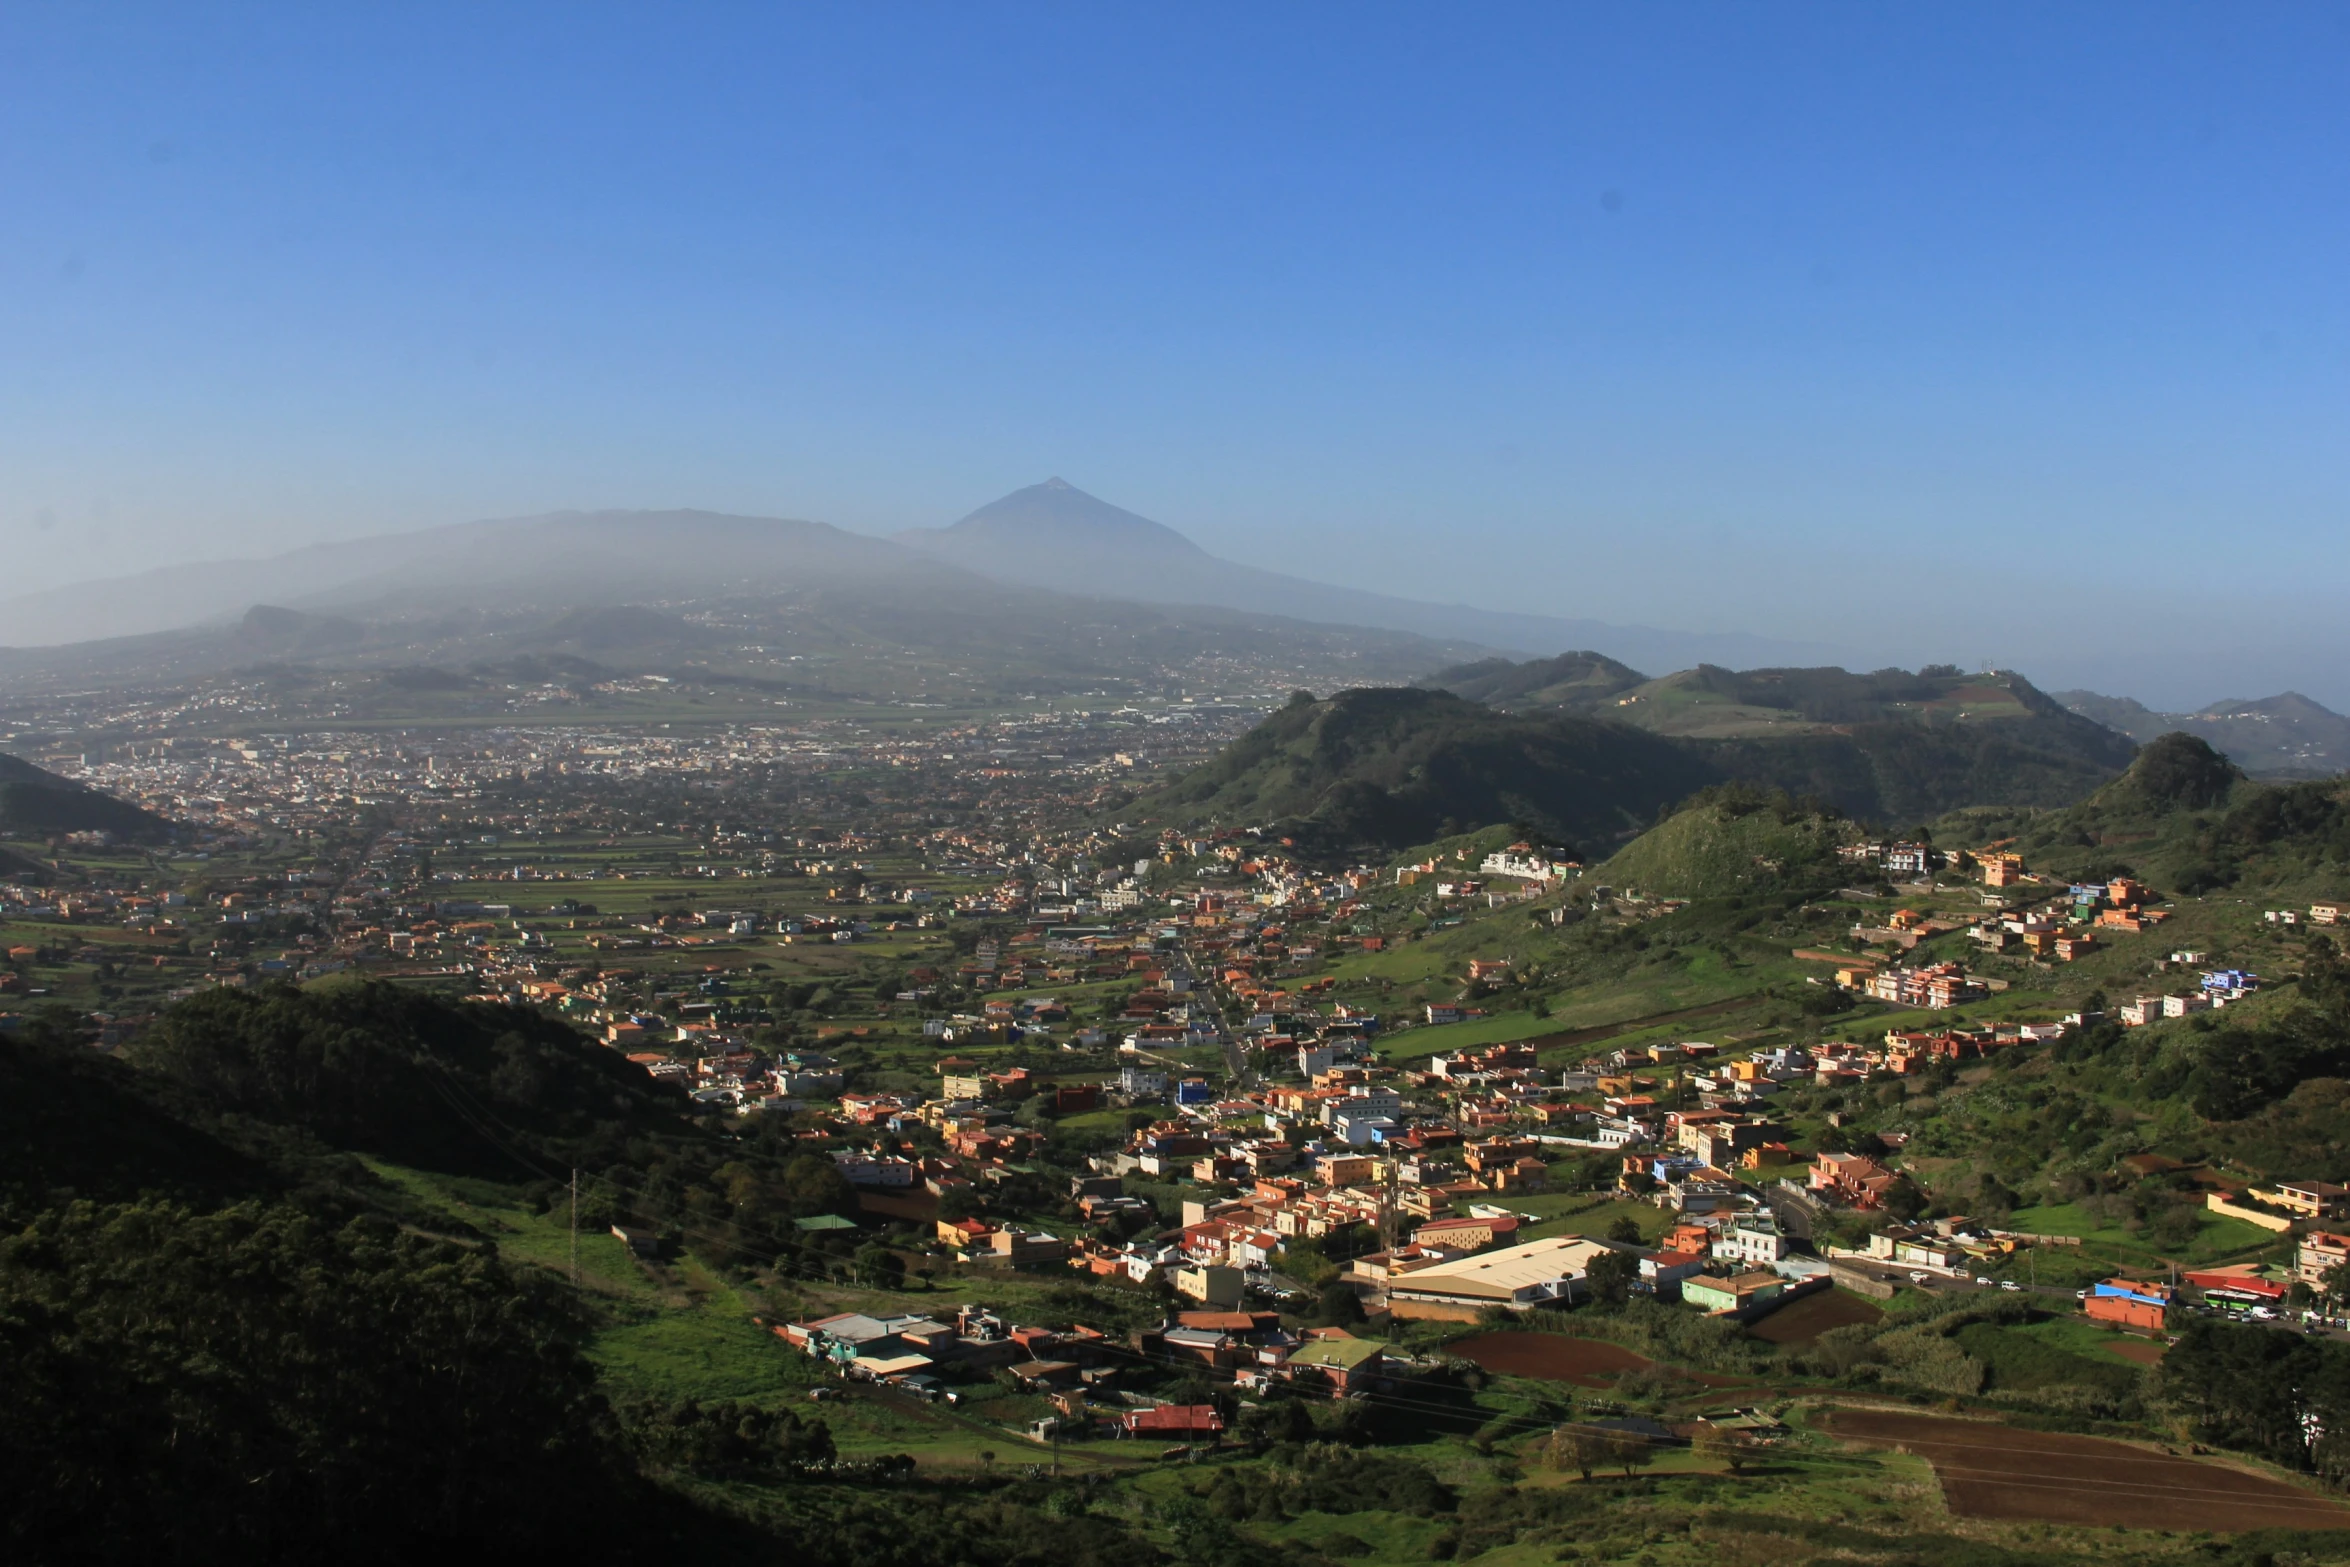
[1996,1471]
[1801,1321]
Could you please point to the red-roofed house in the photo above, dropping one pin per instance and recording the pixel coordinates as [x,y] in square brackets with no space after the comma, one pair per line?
[1188,1421]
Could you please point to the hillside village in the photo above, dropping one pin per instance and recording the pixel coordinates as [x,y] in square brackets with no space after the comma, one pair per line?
[1080,1132]
[1641,910]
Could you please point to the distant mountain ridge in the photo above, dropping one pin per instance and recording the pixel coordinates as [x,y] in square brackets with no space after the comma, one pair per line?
[2284,736]
[1057,536]
[573,557]
[1049,536]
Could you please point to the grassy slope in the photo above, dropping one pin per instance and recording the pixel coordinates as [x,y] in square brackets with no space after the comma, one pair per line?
[1716,851]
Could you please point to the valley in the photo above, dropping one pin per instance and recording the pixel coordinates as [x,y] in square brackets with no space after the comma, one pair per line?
[959,1089]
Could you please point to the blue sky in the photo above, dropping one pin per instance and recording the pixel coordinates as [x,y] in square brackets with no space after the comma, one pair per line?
[2011,333]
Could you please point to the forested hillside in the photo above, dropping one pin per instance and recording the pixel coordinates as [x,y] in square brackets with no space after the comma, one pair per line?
[1732,839]
[227,1339]
[1396,767]
[2188,818]
[1382,769]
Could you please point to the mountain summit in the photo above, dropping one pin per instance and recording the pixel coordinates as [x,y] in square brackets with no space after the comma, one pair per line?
[1057,516]
[1055,535]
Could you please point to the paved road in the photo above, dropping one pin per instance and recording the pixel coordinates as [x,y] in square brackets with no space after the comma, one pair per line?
[1234,1063]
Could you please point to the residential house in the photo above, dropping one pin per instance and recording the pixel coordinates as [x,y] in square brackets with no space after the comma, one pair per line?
[1731,1294]
[2318,1255]
[1663,1272]
[962,1234]
[1752,1238]
[1012,1247]
[1212,1284]
[1348,1364]
[1170,1422]
[2308,1199]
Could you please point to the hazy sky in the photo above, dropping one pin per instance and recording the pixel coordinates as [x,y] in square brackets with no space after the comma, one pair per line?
[1967,332]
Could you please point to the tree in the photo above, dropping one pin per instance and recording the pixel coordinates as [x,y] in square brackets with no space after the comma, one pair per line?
[1720,1446]
[1629,1450]
[2335,1284]
[1625,1231]
[878,1267]
[1580,1448]
[1610,1277]
[1339,1304]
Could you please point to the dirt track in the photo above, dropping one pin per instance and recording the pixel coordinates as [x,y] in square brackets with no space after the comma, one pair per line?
[1997,1471]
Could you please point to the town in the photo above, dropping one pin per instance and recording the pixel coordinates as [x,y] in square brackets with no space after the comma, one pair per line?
[1194,1070]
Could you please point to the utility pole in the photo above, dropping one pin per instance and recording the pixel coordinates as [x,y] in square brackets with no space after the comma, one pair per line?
[575,1226]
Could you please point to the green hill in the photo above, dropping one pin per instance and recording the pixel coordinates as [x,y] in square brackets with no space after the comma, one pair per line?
[35,803]
[2185,818]
[1729,840]
[1898,771]
[1888,745]
[1382,769]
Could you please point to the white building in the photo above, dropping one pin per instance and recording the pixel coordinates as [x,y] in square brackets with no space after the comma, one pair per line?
[1754,1239]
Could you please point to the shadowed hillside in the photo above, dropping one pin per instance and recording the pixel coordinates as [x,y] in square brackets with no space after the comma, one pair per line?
[1389,768]
[35,803]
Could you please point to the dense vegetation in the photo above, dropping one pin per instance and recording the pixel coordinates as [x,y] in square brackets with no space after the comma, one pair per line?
[1730,839]
[262,1382]
[401,1073]
[1395,767]
[226,1340]
[2280,1395]
[1383,769]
